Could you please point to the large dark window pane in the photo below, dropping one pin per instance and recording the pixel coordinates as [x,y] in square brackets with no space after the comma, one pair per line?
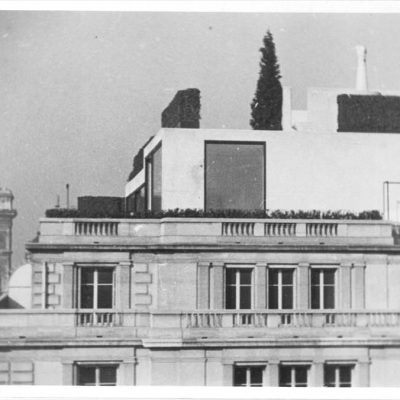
[301,376]
[256,376]
[231,276]
[287,297]
[108,376]
[287,277]
[86,376]
[230,297]
[329,297]
[235,176]
[273,276]
[329,375]
[104,296]
[285,376]
[329,277]
[105,275]
[87,276]
[315,277]
[87,296]
[239,378]
[345,376]
[245,297]
[315,300]
[273,297]
[245,277]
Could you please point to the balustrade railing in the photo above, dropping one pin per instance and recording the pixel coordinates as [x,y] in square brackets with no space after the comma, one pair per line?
[98,318]
[94,228]
[238,228]
[292,319]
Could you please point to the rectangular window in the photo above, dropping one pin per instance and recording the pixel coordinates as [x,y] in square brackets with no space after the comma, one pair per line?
[337,375]
[322,289]
[238,288]
[280,289]
[96,288]
[97,375]
[248,375]
[136,201]
[153,180]
[293,375]
[234,175]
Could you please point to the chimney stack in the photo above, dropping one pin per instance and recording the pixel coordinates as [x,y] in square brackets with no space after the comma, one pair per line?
[361,79]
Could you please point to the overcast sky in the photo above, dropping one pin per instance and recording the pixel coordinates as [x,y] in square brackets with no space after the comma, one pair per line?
[82,91]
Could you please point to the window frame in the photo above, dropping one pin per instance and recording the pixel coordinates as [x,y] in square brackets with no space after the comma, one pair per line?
[322,269]
[337,365]
[281,268]
[238,142]
[293,366]
[149,178]
[95,269]
[97,365]
[248,366]
[237,286]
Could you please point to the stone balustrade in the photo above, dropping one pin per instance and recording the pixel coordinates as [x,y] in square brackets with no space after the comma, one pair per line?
[214,230]
[62,323]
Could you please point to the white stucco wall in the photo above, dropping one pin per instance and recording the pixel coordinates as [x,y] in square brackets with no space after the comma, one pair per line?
[304,170]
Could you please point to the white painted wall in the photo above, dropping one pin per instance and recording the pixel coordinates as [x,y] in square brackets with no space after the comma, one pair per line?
[304,170]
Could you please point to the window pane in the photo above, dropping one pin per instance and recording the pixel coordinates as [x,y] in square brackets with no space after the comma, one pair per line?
[235,176]
[245,297]
[231,276]
[104,296]
[256,374]
[285,375]
[315,277]
[87,275]
[329,277]
[108,375]
[104,275]
[345,376]
[315,301]
[301,376]
[273,276]
[156,175]
[245,276]
[86,296]
[86,376]
[287,277]
[329,297]
[273,297]
[287,297]
[239,378]
[230,297]
[329,375]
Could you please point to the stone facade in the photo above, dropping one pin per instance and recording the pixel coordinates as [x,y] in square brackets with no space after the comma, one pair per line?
[7,213]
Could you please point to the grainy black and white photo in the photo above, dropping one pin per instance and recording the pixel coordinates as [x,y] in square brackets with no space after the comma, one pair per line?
[199,198]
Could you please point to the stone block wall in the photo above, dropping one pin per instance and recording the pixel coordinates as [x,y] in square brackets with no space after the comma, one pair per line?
[47,285]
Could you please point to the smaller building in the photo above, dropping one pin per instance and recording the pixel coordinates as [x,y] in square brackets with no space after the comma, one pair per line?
[7,214]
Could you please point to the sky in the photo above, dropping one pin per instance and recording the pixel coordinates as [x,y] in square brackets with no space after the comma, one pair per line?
[82,91]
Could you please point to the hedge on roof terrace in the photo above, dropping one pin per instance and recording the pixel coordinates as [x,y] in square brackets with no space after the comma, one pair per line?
[368,113]
[196,213]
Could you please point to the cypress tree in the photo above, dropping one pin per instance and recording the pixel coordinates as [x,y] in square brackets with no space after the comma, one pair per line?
[266,107]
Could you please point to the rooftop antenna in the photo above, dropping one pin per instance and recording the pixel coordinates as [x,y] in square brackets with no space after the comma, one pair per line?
[67,187]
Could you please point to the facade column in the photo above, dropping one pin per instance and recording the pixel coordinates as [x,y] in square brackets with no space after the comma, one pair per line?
[68,378]
[363,373]
[218,289]
[260,286]
[203,286]
[123,285]
[345,286]
[227,374]
[303,286]
[68,292]
[317,374]
[272,378]
[358,293]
